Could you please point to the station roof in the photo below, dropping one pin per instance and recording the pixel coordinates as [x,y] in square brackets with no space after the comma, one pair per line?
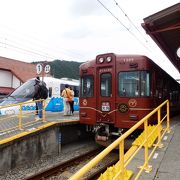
[164,28]
[22,70]
[6,90]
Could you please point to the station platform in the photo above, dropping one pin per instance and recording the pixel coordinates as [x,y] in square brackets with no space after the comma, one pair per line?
[37,138]
[166,161]
[31,125]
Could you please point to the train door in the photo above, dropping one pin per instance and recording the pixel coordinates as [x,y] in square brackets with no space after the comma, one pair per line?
[106,94]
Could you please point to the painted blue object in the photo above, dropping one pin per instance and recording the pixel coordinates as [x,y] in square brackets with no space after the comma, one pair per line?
[76,104]
[55,105]
[24,108]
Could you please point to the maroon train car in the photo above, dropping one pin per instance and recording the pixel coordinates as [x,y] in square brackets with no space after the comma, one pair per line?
[116,91]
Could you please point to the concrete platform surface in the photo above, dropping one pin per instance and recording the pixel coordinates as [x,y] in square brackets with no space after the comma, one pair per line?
[166,161]
[169,167]
[29,122]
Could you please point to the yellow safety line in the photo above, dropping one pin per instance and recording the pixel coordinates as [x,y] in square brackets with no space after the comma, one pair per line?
[34,130]
[26,133]
[66,120]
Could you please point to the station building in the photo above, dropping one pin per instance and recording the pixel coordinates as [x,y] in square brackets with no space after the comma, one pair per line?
[13,73]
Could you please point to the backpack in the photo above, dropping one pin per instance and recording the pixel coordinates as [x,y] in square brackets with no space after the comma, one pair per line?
[43,91]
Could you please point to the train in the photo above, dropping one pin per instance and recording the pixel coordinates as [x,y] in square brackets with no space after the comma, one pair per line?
[116,91]
[54,102]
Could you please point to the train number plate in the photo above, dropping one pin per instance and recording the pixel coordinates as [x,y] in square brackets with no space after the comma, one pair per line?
[105,106]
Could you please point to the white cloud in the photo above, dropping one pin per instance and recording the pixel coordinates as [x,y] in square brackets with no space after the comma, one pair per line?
[78,30]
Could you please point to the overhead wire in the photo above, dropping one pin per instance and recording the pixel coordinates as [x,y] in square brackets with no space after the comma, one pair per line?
[130,20]
[34,51]
[10,43]
[26,50]
[128,29]
[30,50]
[124,26]
[43,54]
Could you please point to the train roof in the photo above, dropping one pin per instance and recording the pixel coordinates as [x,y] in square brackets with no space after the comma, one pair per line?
[136,56]
[92,62]
[62,80]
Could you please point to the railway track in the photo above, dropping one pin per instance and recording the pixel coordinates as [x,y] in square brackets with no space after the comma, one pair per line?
[66,169]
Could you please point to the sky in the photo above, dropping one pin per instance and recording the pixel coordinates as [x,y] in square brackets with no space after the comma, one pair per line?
[78,30]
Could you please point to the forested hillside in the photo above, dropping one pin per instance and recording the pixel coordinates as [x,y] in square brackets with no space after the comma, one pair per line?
[62,68]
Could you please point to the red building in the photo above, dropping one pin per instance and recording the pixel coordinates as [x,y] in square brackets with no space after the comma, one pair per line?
[13,73]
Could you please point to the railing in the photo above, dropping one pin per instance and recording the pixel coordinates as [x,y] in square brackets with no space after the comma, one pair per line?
[18,118]
[120,142]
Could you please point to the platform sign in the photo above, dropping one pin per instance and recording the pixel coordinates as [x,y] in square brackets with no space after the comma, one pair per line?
[39,68]
[43,68]
[47,68]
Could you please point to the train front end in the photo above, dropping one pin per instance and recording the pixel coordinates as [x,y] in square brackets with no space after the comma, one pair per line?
[115,93]
[22,94]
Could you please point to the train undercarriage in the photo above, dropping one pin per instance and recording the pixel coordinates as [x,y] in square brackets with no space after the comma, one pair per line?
[105,134]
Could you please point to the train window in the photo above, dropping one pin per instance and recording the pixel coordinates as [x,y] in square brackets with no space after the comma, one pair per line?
[129,84]
[87,86]
[134,84]
[24,91]
[62,86]
[50,92]
[106,84]
[74,88]
[145,83]
[76,91]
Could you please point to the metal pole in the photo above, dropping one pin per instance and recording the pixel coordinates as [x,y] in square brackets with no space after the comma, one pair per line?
[121,151]
[43,111]
[168,120]
[20,117]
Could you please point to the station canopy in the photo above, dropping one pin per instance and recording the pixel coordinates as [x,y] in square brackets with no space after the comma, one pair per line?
[164,28]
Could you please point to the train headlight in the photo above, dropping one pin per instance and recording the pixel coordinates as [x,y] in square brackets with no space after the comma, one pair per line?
[178,52]
[101,60]
[109,59]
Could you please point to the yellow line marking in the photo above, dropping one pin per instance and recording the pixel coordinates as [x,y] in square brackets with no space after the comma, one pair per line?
[28,131]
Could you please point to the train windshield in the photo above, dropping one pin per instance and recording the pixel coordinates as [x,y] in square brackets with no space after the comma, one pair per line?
[23,93]
[74,88]
[87,86]
[135,83]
